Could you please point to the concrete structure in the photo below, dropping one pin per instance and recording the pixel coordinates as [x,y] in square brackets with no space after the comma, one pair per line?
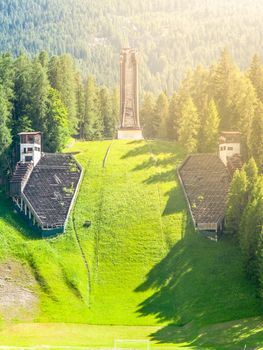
[30,147]
[129,96]
[44,186]
[229,145]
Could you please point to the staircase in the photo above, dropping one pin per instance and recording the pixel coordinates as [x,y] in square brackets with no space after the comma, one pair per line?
[19,179]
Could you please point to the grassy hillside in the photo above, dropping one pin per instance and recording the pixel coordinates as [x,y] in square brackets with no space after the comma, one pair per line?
[139,264]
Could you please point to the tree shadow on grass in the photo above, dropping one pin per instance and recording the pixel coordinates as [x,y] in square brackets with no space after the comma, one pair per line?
[176,201]
[198,284]
[236,335]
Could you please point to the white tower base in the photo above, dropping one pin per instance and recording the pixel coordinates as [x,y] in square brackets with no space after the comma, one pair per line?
[130,134]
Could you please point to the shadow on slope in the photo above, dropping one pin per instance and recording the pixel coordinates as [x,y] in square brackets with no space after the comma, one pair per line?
[197,284]
[200,283]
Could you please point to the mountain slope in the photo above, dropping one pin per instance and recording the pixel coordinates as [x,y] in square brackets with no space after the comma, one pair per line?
[171,36]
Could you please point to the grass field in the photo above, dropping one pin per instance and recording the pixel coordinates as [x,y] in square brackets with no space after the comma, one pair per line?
[140,270]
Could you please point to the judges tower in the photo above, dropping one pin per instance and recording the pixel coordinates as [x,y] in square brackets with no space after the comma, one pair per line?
[129,95]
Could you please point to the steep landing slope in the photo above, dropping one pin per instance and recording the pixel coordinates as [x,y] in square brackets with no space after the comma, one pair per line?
[145,265]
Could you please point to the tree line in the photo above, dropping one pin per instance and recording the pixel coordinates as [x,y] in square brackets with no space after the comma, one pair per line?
[210,100]
[244,219]
[48,94]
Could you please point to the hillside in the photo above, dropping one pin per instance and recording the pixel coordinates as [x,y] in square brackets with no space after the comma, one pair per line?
[171,35]
[139,264]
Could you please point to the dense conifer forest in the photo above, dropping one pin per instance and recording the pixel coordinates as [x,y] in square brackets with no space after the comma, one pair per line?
[171,36]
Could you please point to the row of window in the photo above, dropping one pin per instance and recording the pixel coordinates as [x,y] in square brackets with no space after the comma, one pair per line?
[31,139]
[223,148]
[30,149]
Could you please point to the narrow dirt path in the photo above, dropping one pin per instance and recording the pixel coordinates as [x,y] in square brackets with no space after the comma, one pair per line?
[85,262]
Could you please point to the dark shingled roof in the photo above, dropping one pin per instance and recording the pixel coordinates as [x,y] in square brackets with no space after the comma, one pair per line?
[206,182]
[51,188]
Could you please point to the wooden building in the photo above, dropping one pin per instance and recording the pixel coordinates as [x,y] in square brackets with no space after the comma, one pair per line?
[44,185]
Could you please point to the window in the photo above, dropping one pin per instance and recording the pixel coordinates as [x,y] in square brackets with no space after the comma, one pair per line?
[221,148]
[24,150]
[30,149]
[230,148]
[30,139]
[23,138]
[224,148]
[28,158]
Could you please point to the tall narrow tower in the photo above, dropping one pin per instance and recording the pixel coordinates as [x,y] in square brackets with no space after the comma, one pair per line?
[129,94]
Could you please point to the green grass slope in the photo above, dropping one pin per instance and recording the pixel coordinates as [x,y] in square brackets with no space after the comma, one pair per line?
[140,263]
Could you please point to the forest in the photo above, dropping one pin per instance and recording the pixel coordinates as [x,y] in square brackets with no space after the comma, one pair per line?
[171,36]
[48,94]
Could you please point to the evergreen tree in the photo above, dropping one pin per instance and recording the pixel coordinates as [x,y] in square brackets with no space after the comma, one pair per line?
[57,129]
[173,119]
[210,129]
[147,115]
[223,75]
[251,170]
[160,116]
[256,136]
[255,74]
[80,100]
[62,76]
[250,230]
[237,200]
[189,126]
[38,95]
[43,58]
[5,130]
[115,104]
[105,113]
[90,121]
[22,92]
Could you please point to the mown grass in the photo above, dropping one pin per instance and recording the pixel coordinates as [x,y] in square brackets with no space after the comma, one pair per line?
[147,266]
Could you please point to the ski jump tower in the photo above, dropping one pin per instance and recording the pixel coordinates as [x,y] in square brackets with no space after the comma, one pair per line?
[130,128]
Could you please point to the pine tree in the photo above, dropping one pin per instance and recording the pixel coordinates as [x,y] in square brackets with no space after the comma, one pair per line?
[256,136]
[80,100]
[189,126]
[5,131]
[62,77]
[260,262]
[244,102]
[237,201]
[57,129]
[90,121]
[255,74]
[22,92]
[43,58]
[160,116]
[115,103]
[251,170]
[210,129]
[105,112]
[173,118]
[147,115]
[223,76]
[38,95]
[250,229]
